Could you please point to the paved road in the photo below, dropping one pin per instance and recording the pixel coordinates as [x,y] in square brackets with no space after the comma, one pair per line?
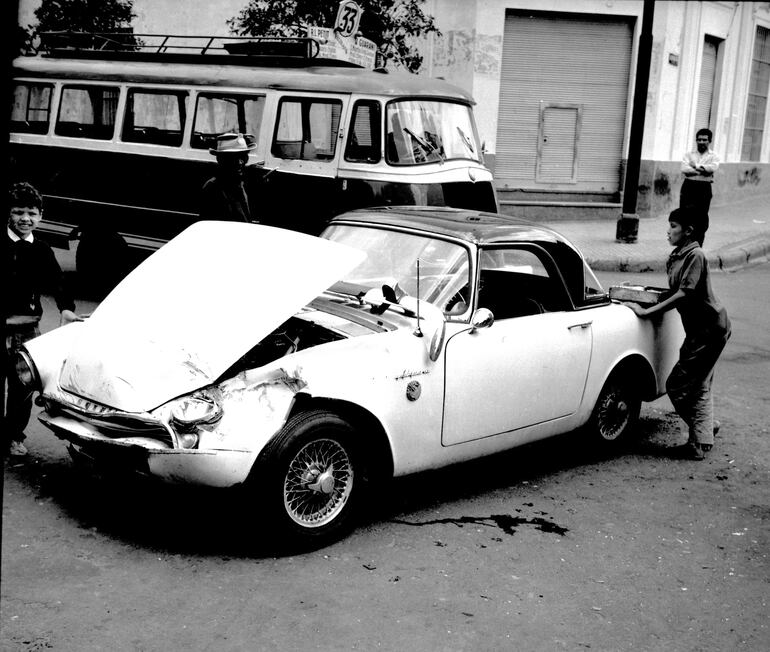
[544,548]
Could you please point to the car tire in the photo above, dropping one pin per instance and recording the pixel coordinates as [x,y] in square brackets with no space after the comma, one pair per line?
[616,412]
[312,477]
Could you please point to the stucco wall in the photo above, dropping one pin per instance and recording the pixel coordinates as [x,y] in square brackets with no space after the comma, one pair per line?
[679,31]
[661,181]
[470,49]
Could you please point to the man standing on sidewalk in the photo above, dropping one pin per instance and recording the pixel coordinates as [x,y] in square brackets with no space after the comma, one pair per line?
[698,168]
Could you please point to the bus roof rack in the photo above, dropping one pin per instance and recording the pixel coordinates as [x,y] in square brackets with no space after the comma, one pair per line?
[244,50]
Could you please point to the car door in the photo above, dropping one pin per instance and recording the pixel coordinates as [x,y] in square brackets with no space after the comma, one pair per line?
[530,366]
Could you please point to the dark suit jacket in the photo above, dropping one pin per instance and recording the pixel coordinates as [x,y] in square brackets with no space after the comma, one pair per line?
[31,270]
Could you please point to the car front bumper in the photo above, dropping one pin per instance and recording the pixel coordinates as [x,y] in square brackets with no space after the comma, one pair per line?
[209,467]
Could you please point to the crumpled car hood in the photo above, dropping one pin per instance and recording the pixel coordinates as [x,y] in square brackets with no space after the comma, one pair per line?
[187,313]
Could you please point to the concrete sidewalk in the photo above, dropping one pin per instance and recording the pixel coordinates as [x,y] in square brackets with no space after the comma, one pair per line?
[738,235]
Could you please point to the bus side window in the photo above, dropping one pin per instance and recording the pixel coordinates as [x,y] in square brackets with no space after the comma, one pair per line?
[155,117]
[87,112]
[307,129]
[363,144]
[31,108]
[217,113]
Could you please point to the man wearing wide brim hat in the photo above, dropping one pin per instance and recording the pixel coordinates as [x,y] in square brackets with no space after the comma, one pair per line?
[224,196]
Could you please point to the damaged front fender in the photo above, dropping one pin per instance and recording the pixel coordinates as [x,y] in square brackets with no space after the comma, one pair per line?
[255,406]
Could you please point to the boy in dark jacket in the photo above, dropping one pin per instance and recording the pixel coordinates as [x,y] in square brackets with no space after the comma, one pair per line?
[31,269]
[706,327]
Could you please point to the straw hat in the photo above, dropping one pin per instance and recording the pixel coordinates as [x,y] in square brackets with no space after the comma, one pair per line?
[232,143]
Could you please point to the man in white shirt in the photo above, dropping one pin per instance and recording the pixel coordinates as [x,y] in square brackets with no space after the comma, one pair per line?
[698,168]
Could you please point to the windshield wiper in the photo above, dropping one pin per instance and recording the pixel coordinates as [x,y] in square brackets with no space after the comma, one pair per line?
[429,148]
[466,140]
[347,289]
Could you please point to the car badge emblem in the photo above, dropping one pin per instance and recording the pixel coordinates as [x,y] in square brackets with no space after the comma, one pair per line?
[413,390]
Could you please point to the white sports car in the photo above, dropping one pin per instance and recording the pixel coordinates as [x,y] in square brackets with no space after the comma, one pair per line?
[307,368]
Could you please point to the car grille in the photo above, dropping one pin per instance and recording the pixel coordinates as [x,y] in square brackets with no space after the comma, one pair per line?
[110,422]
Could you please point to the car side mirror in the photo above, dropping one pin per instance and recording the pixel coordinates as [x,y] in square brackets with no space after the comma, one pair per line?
[482,318]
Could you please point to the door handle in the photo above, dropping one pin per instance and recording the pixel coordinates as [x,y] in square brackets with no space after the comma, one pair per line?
[583,325]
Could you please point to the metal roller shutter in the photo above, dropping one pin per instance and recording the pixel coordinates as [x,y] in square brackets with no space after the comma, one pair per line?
[557,60]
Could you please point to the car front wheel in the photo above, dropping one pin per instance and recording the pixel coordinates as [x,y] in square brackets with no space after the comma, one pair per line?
[312,476]
[616,412]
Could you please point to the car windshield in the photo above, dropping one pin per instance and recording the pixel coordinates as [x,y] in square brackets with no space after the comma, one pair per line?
[422,131]
[392,257]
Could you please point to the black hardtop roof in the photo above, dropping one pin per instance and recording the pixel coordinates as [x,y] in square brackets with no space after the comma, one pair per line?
[308,78]
[477,227]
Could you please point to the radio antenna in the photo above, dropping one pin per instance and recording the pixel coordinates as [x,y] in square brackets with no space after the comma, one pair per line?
[418,332]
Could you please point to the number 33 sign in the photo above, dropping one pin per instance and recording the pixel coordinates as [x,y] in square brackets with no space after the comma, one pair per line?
[348,17]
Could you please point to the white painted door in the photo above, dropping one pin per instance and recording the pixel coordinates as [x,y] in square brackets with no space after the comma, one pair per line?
[519,372]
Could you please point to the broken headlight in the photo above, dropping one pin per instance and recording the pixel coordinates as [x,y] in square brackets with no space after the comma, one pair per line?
[26,371]
[189,413]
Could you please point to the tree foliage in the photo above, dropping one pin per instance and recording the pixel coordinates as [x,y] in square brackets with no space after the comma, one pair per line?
[392,24]
[83,16]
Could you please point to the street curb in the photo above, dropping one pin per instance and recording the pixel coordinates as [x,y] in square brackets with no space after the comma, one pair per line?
[741,254]
[729,258]
[636,266]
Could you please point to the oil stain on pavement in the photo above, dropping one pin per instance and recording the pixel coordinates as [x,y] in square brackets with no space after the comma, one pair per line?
[506,522]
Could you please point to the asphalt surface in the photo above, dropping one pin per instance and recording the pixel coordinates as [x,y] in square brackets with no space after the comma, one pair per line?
[548,547]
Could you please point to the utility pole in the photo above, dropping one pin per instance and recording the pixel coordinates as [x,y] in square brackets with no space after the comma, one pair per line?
[628,223]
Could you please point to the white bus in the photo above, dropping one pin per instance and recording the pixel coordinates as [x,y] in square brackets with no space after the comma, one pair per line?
[117,135]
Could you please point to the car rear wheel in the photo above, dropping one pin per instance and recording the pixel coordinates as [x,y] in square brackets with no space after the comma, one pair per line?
[616,412]
[312,476]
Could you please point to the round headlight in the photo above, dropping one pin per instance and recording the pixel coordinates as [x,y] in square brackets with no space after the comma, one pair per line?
[196,409]
[26,372]
[188,440]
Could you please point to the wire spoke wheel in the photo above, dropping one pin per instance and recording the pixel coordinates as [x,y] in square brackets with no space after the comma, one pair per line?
[615,413]
[318,483]
[312,479]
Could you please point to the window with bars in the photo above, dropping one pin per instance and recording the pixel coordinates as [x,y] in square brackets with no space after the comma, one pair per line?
[364,137]
[756,105]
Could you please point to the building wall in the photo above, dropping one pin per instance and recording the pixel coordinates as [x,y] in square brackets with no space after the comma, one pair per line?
[469,53]
[679,31]
[472,40]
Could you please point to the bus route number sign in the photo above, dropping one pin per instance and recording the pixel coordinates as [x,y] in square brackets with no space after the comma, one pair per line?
[348,18]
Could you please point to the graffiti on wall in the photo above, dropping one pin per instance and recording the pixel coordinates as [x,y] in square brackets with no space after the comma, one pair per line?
[457,48]
[489,50]
[454,48]
[662,185]
[752,176]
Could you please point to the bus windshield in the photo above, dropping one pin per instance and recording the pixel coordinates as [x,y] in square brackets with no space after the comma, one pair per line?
[429,131]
